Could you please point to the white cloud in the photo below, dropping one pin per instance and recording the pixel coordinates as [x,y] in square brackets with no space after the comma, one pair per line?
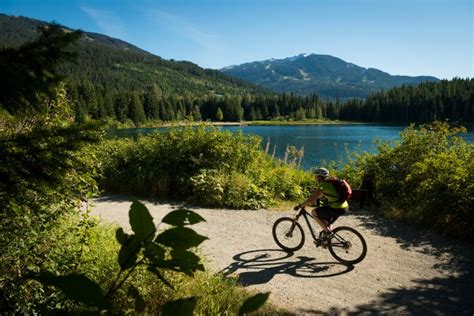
[107,21]
[185,28]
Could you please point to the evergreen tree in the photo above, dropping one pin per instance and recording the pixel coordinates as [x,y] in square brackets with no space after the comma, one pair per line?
[163,112]
[196,113]
[136,112]
[219,115]
[121,107]
[300,114]
[151,105]
[29,74]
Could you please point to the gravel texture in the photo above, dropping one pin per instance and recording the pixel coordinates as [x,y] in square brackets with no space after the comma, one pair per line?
[406,271]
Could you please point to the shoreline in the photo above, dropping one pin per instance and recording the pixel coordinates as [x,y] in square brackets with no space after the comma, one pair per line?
[247,123]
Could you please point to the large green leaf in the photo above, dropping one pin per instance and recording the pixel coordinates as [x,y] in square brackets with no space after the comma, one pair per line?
[154,252]
[183,261]
[140,304]
[76,287]
[182,217]
[180,238]
[182,307]
[141,221]
[121,236]
[253,303]
[128,252]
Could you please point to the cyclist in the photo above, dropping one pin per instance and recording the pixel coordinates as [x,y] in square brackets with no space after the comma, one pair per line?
[333,208]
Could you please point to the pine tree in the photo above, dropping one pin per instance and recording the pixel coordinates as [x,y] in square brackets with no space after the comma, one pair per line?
[300,114]
[136,112]
[197,113]
[219,115]
[121,107]
[29,74]
[151,105]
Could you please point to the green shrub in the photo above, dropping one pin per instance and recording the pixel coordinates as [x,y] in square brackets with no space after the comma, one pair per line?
[208,188]
[289,183]
[242,193]
[43,173]
[425,178]
[203,165]
[71,247]
[58,248]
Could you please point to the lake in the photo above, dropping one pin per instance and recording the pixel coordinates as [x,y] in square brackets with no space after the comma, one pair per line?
[321,142]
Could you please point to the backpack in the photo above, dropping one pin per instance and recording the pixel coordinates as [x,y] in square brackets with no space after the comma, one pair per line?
[342,187]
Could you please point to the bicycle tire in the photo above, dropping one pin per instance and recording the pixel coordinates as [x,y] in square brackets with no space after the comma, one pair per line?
[336,244]
[292,225]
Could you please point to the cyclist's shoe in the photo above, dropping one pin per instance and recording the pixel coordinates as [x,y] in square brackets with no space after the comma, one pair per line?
[325,235]
[325,238]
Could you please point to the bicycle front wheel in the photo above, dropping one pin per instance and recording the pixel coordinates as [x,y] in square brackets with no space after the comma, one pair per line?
[347,245]
[288,234]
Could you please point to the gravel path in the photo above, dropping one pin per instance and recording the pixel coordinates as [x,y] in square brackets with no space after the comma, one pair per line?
[406,271]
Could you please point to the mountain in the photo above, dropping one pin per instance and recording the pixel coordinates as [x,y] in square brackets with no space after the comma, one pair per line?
[115,65]
[324,75]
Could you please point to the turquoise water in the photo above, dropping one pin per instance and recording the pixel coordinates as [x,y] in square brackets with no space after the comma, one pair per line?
[321,142]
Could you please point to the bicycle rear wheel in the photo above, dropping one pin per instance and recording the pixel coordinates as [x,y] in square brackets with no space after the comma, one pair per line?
[288,234]
[347,245]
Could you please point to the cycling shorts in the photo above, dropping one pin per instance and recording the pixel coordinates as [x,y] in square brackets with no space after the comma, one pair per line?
[329,214]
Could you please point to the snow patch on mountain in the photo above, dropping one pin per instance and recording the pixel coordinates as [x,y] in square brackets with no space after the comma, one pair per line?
[304,74]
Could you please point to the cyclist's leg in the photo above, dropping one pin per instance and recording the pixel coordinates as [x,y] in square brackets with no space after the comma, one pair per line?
[335,213]
[322,216]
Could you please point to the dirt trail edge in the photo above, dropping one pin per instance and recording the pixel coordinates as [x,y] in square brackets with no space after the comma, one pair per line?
[407,270]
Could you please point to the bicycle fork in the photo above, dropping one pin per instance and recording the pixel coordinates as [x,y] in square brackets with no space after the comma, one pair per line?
[289,233]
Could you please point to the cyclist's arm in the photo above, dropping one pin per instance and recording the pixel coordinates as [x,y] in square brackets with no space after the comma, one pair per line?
[312,199]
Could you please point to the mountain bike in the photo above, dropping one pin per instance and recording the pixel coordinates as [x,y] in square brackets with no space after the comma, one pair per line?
[344,243]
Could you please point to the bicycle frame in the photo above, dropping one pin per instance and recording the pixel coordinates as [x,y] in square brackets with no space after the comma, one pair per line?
[303,212]
[332,242]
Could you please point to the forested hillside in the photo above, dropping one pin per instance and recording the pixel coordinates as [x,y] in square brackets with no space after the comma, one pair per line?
[117,81]
[110,74]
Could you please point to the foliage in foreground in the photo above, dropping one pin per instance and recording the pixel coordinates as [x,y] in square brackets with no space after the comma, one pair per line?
[140,254]
[203,165]
[425,178]
[43,173]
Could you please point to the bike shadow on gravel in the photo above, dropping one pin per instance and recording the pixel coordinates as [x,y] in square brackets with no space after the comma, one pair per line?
[261,265]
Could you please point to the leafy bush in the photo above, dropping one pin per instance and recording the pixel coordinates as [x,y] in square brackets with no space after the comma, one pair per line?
[425,178]
[204,165]
[208,187]
[43,174]
[126,267]
[242,193]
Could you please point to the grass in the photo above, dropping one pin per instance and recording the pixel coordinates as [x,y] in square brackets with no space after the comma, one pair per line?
[284,205]
[217,294]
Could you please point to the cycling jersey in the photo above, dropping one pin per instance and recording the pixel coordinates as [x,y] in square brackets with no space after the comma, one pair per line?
[332,196]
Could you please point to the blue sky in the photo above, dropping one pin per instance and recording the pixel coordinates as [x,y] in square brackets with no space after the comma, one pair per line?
[401,37]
